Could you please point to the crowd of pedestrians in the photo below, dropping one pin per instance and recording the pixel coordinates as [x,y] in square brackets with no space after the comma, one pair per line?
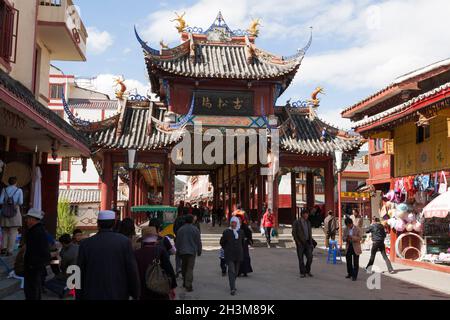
[117,264]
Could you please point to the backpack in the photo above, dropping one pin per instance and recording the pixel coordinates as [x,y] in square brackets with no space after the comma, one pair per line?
[156,279]
[9,209]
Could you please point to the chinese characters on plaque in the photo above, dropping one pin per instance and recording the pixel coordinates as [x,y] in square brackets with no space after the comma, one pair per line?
[227,103]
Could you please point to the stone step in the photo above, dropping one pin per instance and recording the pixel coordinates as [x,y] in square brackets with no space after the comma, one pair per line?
[6,262]
[8,287]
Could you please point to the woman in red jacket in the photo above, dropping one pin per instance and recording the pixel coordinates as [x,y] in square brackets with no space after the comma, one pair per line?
[268,222]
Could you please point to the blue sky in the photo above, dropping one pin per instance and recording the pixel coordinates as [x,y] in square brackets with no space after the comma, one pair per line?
[359,46]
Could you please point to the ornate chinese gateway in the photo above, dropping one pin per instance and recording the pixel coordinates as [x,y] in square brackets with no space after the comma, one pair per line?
[217,77]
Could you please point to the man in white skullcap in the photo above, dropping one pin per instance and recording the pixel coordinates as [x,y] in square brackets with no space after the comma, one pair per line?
[37,254]
[107,264]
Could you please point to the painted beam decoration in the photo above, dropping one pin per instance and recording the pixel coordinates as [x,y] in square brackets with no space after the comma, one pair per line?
[228,103]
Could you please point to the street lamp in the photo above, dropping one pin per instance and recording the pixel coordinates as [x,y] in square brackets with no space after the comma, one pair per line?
[131,182]
[131,158]
[338,158]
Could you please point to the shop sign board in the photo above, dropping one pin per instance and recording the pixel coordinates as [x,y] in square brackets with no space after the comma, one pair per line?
[355,195]
[223,103]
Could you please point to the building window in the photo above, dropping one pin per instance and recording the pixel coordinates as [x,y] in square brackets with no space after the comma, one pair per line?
[378,145]
[351,186]
[9,18]
[319,187]
[74,210]
[56,91]
[423,134]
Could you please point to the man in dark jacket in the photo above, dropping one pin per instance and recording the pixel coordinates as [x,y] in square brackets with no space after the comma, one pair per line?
[179,222]
[330,227]
[232,242]
[302,233]
[220,215]
[189,245]
[107,264]
[37,254]
[378,236]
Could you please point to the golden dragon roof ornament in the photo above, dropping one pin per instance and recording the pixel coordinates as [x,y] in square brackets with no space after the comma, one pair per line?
[253,30]
[181,22]
[120,93]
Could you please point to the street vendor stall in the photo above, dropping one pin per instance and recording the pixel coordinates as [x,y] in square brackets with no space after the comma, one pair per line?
[418,216]
[437,229]
[166,216]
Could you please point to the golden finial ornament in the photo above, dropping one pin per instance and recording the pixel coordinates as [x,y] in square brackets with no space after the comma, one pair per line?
[181,22]
[120,93]
[163,44]
[253,30]
[315,101]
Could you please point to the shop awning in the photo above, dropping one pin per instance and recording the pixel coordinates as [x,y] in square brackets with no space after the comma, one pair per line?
[154,209]
[439,207]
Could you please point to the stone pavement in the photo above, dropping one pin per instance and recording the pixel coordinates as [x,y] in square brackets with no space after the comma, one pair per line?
[276,277]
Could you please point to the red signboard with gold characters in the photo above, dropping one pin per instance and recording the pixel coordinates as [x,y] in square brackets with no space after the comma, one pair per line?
[380,167]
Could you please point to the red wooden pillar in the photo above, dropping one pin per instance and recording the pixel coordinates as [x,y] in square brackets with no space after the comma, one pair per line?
[247,190]
[107,185]
[115,190]
[168,182]
[276,200]
[50,179]
[293,195]
[238,187]
[230,190]
[329,186]
[136,188]
[216,189]
[260,193]
[310,200]
[392,252]
[224,190]
[131,192]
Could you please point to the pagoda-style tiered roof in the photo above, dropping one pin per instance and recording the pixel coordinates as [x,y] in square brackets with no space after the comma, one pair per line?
[134,129]
[303,133]
[219,53]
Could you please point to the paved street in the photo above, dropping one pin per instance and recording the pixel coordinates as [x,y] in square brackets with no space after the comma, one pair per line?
[276,276]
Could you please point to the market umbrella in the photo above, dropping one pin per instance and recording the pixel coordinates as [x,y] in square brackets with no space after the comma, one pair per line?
[439,207]
[37,196]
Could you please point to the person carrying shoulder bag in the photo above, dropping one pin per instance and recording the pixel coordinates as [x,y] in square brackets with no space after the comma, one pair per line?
[11,199]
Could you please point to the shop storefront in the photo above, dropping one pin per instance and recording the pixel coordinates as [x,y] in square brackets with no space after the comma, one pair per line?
[416,212]
[408,126]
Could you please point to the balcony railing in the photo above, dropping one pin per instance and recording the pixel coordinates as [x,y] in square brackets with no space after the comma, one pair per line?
[64,12]
[52,3]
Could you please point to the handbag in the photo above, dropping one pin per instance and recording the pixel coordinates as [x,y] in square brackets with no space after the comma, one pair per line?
[156,279]
[274,233]
[443,186]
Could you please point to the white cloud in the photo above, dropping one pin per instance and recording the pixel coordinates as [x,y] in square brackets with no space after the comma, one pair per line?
[358,43]
[385,41]
[98,41]
[104,83]
[333,117]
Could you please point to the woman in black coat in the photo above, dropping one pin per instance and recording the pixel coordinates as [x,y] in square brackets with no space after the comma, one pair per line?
[246,265]
[232,242]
